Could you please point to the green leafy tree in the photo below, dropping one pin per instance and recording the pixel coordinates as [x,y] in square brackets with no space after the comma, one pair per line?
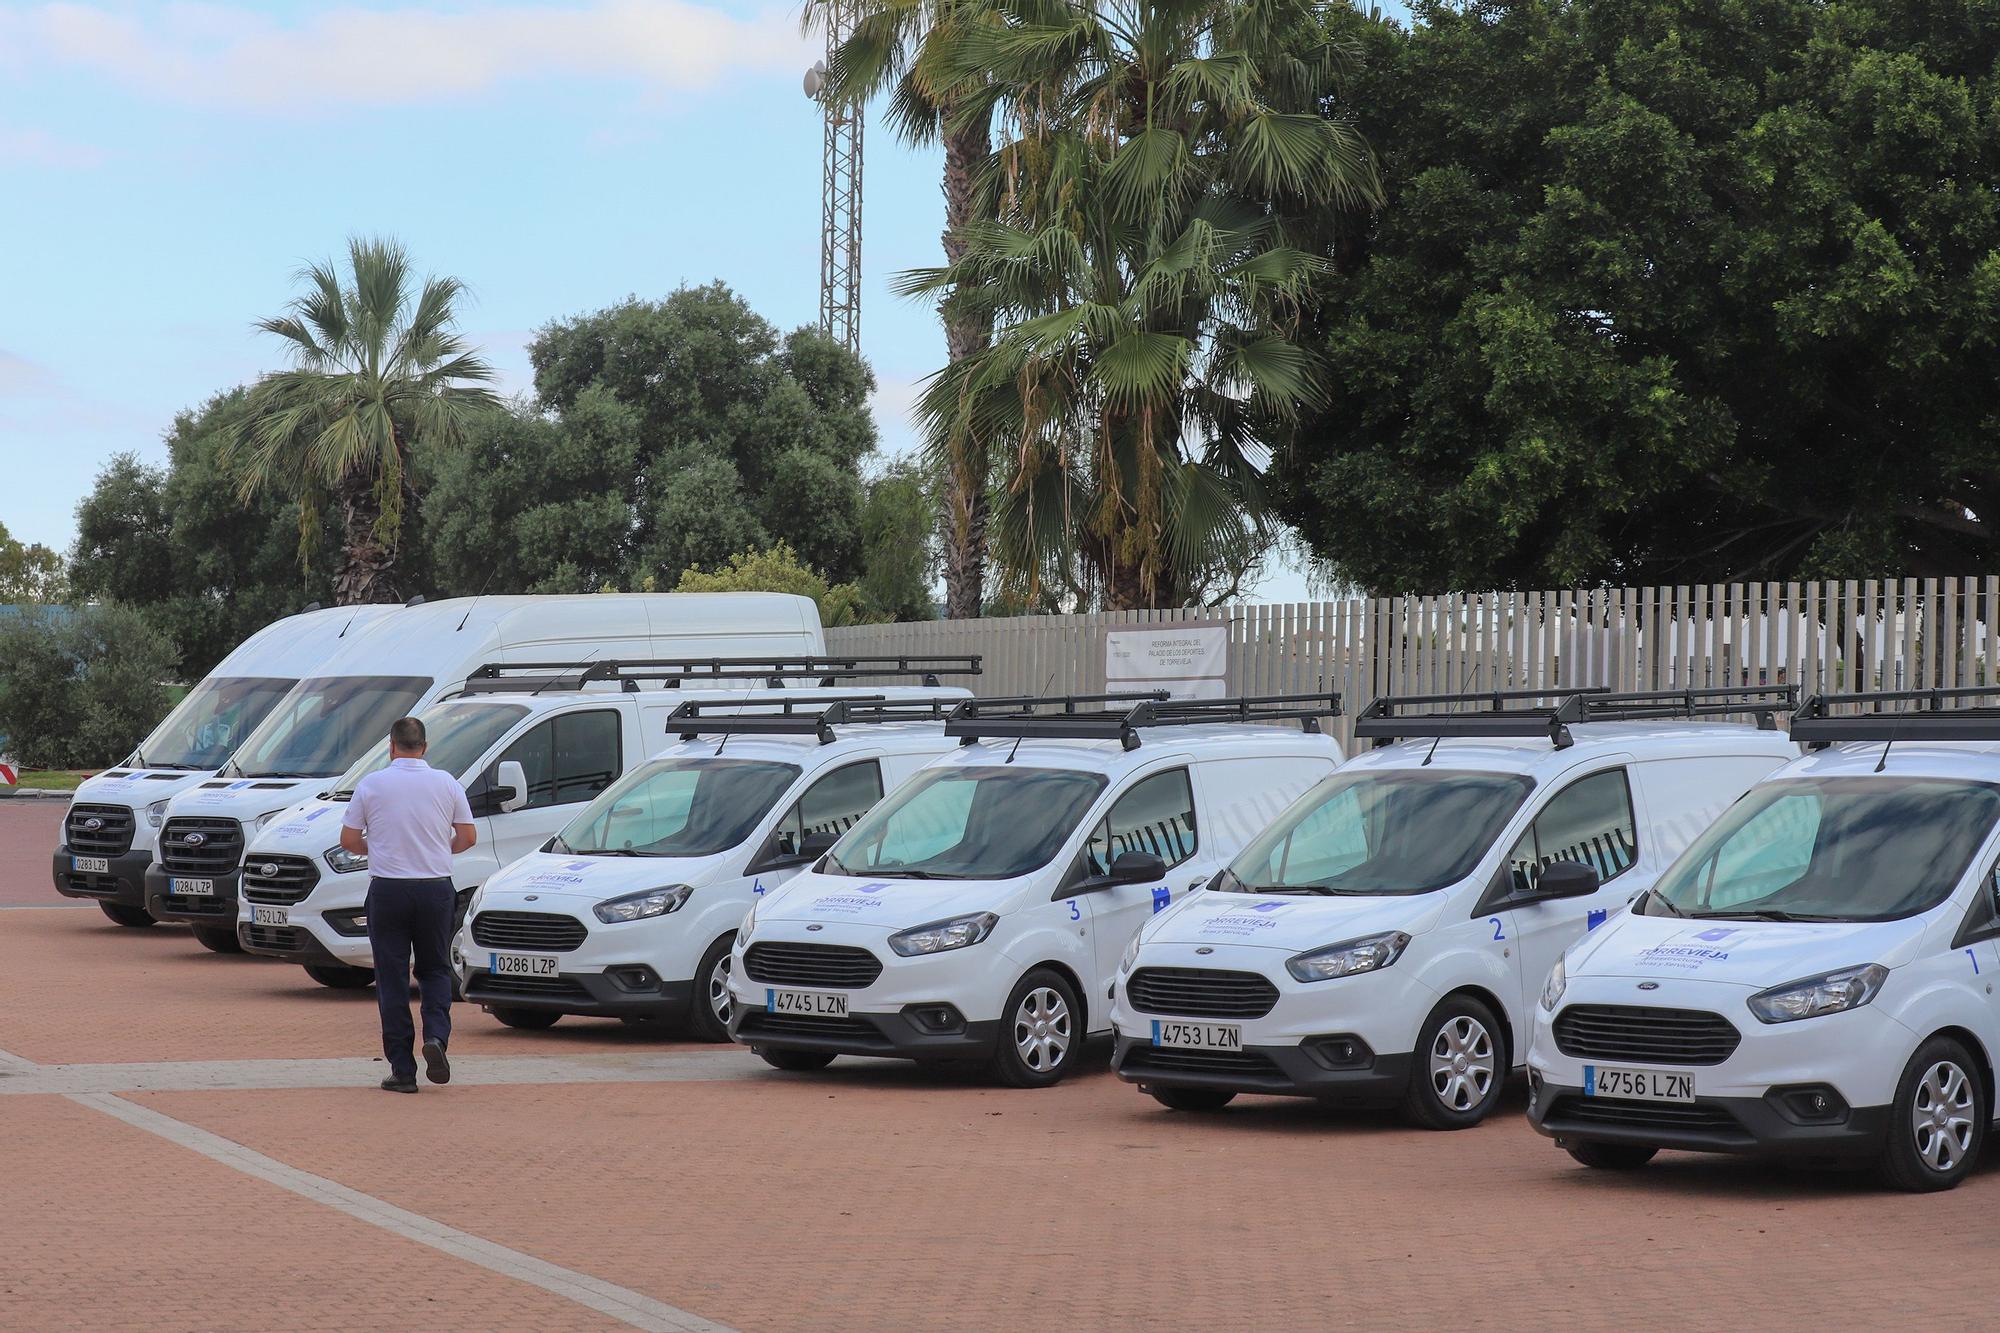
[376,366]
[1666,292]
[899,543]
[779,569]
[29,571]
[82,685]
[1163,171]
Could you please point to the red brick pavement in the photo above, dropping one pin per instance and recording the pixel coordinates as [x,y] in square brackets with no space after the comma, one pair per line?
[30,828]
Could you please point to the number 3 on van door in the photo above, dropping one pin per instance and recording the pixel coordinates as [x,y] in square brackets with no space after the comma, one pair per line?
[1498,932]
[1074,915]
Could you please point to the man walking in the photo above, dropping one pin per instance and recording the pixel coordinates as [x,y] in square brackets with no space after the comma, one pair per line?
[409,819]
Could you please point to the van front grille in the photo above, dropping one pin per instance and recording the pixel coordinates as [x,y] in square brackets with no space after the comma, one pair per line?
[1201,992]
[278,879]
[201,847]
[786,963]
[99,830]
[1647,1035]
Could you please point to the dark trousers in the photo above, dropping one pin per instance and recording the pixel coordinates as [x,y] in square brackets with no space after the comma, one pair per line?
[405,917]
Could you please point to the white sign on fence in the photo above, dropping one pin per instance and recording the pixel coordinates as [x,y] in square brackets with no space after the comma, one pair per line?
[1188,660]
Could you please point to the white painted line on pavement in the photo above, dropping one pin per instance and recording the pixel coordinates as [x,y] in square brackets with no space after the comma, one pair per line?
[716,1065]
[46,907]
[607,1298]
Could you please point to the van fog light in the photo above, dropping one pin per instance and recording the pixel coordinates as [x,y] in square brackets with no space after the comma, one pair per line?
[935,1018]
[637,977]
[1341,1051]
[1814,1104]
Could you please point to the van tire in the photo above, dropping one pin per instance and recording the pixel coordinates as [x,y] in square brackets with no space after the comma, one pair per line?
[794,1061]
[703,1023]
[218,939]
[1942,1063]
[136,917]
[1609,1156]
[1463,1025]
[528,1020]
[1041,1032]
[335,977]
[1192,1099]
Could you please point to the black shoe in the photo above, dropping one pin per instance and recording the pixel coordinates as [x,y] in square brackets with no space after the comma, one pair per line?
[436,1068]
[394,1084]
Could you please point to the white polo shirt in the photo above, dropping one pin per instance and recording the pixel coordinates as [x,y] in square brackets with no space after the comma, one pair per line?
[406,811]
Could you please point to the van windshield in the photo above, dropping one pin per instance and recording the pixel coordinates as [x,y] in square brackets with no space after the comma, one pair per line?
[457,734]
[211,721]
[1380,832]
[678,807]
[324,725]
[968,823]
[1832,849]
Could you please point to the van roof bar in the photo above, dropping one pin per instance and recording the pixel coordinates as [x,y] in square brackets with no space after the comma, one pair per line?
[1923,717]
[1765,701]
[530,677]
[1510,712]
[802,715]
[975,720]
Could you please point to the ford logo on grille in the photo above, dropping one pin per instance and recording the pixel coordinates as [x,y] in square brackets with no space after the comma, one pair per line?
[268,869]
[93,824]
[195,839]
[1649,985]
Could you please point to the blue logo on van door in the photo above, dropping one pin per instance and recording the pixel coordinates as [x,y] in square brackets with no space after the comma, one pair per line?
[1594,918]
[1162,895]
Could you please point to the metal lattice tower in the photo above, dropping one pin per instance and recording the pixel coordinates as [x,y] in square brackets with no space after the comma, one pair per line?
[840,197]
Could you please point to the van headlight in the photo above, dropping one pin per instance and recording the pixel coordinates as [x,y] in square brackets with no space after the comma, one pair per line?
[1131,955]
[1367,954]
[639,906]
[257,824]
[343,861]
[1827,993]
[1552,990]
[939,936]
[156,813]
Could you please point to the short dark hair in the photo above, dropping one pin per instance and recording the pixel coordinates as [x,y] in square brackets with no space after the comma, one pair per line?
[407,733]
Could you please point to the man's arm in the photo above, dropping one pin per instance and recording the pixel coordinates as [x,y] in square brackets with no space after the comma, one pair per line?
[463,834]
[354,822]
[354,840]
[462,837]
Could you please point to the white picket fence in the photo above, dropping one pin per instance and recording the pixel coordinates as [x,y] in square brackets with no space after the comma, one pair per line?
[1866,634]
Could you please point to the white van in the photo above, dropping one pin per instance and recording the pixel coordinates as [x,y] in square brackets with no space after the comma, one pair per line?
[1383,943]
[1814,977]
[113,822]
[978,912]
[398,664]
[631,913]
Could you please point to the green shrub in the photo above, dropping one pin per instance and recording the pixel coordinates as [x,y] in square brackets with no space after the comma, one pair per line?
[79,687]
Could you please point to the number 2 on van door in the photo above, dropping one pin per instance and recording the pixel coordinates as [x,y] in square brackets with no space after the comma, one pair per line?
[1074,914]
[1498,932]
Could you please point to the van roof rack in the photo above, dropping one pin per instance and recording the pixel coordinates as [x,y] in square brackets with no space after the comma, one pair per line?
[1551,712]
[534,677]
[799,715]
[1923,718]
[975,720]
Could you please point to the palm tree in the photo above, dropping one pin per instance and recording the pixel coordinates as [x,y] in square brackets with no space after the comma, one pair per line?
[1157,234]
[375,368]
[910,49]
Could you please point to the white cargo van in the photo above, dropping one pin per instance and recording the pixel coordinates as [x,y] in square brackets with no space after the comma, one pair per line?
[979,910]
[631,913]
[1383,942]
[1814,978]
[404,661]
[114,819]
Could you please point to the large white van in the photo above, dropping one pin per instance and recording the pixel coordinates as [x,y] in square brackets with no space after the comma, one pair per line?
[631,913]
[978,912]
[1815,976]
[1383,943]
[402,662]
[114,819]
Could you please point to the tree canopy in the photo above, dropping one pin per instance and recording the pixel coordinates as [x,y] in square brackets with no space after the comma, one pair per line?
[1666,291]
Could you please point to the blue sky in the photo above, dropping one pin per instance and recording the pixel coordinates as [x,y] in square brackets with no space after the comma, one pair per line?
[168,167]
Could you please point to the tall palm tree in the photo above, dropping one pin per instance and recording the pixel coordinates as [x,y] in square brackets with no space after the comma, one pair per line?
[376,366]
[1157,234]
[910,49]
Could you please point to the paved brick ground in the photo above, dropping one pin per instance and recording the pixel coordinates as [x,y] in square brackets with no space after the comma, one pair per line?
[873,1196]
[30,828]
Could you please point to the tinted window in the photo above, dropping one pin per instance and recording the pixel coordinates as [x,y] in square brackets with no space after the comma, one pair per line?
[968,823]
[680,807]
[568,758]
[459,733]
[215,718]
[1156,816]
[1590,821]
[324,725]
[830,805]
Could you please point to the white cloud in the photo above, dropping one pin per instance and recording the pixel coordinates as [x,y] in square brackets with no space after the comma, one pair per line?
[39,148]
[237,56]
[22,378]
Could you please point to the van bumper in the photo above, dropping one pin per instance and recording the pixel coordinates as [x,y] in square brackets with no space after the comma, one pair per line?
[123,885]
[904,1035]
[1314,1068]
[218,909]
[1759,1126]
[591,994]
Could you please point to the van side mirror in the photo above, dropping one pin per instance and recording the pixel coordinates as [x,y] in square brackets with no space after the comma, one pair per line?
[1566,879]
[1126,868]
[511,792]
[817,844]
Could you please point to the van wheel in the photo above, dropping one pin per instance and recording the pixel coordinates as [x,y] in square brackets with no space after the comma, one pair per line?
[218,939]
[1460,1065]
[1040,1031]
[1191,1099]
[1610,1156]
[336,977]
[1937,1123]
[795,1062]
[530,1020]
[126,916]
[708,1013]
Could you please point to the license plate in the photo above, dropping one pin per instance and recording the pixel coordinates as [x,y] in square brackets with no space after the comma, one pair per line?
[1199,1036]
[90,865]
[198,888]
[819,1004]
[269,916]
[523,965]
[1637,1085]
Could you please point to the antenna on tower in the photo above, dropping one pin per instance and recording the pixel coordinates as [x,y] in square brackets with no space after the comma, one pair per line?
[840,192]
